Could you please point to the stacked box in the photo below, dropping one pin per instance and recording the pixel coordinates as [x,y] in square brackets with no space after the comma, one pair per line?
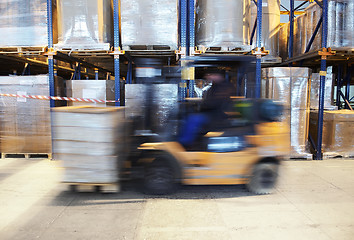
[164,104]
[26,122]
[315,91]
[24,23]
[224,24]
[338,131]
[90,142]
[270,27]
[148,23]
[84,25]
[95,89]
[290,85]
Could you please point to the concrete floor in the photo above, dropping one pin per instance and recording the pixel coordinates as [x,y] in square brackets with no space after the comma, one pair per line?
[313,200]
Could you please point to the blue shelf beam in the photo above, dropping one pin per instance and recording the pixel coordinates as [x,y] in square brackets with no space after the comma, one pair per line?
[116,49]
[259,45]
[50,47]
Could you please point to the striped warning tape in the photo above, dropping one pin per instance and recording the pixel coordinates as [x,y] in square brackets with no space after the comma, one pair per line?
[91,100]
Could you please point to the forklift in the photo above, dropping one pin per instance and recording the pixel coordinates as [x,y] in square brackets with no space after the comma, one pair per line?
[247,148]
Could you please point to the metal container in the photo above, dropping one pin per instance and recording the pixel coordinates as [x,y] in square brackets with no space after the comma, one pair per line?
[290,86]
[149,23]
[24,23]
[95,89]
[101,130]
[26,122]
[223,24]
[84,24]
[270,27]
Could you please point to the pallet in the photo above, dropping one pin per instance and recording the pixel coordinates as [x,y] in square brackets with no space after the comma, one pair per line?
[95,50]
[94,187]
[333,155]
[148,48]
[271,60]
[23,50]
[224,50]
[304,156]
[27,155]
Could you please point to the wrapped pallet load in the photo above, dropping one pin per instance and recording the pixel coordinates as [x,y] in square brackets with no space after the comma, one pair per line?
[93,89]
[338,131]
[90,143]
[223,25]
[270,28]
[149,25]
[290,86]
[283,41]
[315,91]
[26,122]
[84,25]
[23,23]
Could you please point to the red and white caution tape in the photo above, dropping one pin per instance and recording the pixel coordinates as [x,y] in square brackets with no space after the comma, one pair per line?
[91,100]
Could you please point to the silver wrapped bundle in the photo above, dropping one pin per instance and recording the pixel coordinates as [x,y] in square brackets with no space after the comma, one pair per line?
[300,39]
[164,103]
[223,24]
[23,23]
[312,16]
[90,143]
[283,41]
[291,87]
[338,131]
[84,24]
[340,23]
[95,89]
[26,122]
[147,23]
[270,27]
[315,90]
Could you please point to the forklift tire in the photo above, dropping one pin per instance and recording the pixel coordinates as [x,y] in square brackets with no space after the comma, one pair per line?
[159,178]
[264,178]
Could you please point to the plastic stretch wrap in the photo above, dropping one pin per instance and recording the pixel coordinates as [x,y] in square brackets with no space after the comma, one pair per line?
[84,24]
[300,37]
[87,158]
[283,41]
[23,23]
[270,26]
[96,89]
[224,24]
[26,122]
[153,22]
[338,131]
[291,87]
[164,103]
[315,90]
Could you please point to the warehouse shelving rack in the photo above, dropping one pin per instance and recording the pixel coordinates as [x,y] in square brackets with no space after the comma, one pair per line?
[342,59]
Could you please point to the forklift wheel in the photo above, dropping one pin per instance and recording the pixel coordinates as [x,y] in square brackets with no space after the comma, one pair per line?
[159,178]
[264,178]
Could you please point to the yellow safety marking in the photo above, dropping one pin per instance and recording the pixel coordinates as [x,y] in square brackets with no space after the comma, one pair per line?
[323,73]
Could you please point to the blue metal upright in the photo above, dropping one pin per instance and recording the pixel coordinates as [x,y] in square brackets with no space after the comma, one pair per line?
[291,29]
[184,45]
[323,73]
[191,42]
[259,45]
[116,49]
[50,47]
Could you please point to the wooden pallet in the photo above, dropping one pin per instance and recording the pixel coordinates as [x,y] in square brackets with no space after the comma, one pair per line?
[27,155]
[332,155]
[23,50]
[94,187]
[224,50]
[95,50]
[148,48]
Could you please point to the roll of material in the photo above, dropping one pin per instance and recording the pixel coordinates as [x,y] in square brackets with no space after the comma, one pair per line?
[290,86]
[152,22]
[270,25]
[84,24]
[223,23]
[24,23]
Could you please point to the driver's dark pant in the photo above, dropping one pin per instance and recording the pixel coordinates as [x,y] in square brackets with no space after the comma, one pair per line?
[193,126]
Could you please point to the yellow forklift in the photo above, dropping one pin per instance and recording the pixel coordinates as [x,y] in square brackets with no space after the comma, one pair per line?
[247,148]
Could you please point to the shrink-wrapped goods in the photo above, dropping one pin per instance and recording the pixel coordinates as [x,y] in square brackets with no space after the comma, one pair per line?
[23,23]
[95,89]
[338,131]
[223,24]
[315,91]
[149,23]
[84,24]
[164,104]
[26,122]
[89,141]
[270,28]
[290,86]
